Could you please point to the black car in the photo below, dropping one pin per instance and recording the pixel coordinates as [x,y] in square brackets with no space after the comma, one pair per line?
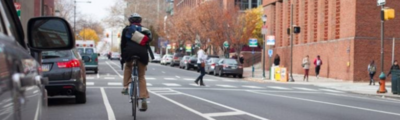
[176,58]
[66,73]
[228,67]
[192,63]
[22,91]
[184,63]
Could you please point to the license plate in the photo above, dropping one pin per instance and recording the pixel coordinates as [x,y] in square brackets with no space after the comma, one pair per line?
[45,68]
[195,65]
[233,67]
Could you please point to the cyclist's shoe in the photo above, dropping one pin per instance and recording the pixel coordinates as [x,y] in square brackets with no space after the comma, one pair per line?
[124,91]
[144,105]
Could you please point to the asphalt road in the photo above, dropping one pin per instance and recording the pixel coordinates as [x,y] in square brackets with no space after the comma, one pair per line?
[174,96]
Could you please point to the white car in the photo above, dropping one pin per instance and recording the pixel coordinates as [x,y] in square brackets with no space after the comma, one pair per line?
[166,59]
[157,58]
[115,55]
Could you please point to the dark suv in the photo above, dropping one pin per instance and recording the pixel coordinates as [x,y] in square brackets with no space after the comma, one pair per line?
[22,92]
[66,73]
[176,59]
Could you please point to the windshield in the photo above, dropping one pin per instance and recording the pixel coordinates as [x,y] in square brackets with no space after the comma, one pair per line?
[230,61]
[89,50]
[56,54]
[81,50]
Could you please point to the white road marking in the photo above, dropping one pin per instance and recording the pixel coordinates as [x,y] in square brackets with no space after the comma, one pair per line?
[305,89]
[114,83]
[228,81]
[89,83]
[224,114]
[170,78]
[109,78]
[37,110]
[189,79]
[177,77]
[209,80]
[329,90]
[98,75]
[149,84]
[150,78]
[194,84]
[90,78]
[110,112]
[278,87]
[253,87]
[227,86]
[329,103]
[171,84]
[114,71]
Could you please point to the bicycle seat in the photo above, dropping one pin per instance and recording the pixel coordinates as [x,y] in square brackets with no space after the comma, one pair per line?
[135,57]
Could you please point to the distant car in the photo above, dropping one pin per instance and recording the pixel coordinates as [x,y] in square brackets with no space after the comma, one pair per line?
[157,58]
[212,56]
[228,67]
[176,59]
[184,63]
[66,73]
[193,63]
[115,56]
[90,58]
[166,59]
[210,65]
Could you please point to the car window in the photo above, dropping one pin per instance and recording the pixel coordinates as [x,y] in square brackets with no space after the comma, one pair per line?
[10,24]
[81,50]
[230,61]
[56,54]
[89,50]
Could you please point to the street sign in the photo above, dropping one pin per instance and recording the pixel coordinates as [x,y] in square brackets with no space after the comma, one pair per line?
[226,44]
[253,42]
[270,52]
[381,2]
[18,7]
[271,40]
[168,46]
[188,47]
[264,30]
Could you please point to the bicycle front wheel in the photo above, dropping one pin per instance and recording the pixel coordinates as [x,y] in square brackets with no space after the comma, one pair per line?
[134,98]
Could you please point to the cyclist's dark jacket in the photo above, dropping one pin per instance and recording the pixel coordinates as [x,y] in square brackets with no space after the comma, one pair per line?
[130,48]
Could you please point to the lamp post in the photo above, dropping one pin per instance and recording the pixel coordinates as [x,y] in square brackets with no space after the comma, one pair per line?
[75,11]
[264,19]
[291,43]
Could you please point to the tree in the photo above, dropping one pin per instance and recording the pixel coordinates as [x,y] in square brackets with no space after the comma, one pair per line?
[116,15]
[89,34]
[66,9]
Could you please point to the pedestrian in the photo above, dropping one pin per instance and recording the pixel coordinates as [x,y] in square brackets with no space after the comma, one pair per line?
[277,60]
[317,63]
[201,59]
[371,71]
[395,66]
[241,59]
[306,66]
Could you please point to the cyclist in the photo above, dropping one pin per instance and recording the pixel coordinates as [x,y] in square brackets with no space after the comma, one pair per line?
[132,45]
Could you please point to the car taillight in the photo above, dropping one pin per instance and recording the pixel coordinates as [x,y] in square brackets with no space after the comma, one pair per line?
[69,64]
[213,64]
[97,59]
[225,66]
[240,66]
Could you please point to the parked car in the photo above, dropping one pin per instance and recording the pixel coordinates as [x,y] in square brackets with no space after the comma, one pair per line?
[192,63]
[212,56]
[65,70]
[166,59]
[22,87]
[157,58]
[115,55]
[228,67]
[184,63]
[176,58]
[210,65]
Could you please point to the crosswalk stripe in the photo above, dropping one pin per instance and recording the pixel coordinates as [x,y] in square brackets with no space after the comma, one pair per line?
[193,84]
[114,83]
[150,78]
[228,80]
[278,87]
[89,78]
[329,90]
[189,79]
[305,89]
[89,83]
[209,80]
[109,78]
[171,84]
[253,87]
[227,86]
[149,84]
[170,78]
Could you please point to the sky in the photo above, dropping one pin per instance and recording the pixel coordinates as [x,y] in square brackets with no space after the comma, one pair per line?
[97,9]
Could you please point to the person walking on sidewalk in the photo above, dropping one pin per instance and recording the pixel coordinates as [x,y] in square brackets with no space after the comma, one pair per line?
[317,63]
[395,66]
[306,66]
[201,59]
[371,71]
[277,60]
[241,59]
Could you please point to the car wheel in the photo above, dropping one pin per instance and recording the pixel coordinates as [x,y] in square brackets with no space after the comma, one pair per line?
[234,76]
[80,97]
[240,76]
[220,73]
[96,71]
[215,72]
[187,67]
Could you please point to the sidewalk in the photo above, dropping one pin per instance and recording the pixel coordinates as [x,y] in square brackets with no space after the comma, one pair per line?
[359,88]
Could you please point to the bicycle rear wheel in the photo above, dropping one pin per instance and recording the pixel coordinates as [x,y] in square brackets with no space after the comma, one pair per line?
[134,97]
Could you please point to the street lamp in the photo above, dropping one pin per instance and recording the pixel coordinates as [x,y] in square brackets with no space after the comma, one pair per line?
[264,19]
[75,11]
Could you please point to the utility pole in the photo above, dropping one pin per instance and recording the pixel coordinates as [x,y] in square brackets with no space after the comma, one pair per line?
[393,44]
[291,43]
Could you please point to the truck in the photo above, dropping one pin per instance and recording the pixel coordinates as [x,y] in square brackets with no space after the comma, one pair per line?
[88,52]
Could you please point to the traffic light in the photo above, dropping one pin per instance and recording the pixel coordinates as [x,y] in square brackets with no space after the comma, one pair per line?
[119,35]
[107,35]
[388,14]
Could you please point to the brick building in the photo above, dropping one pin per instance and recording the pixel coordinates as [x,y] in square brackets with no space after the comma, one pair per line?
[345,33]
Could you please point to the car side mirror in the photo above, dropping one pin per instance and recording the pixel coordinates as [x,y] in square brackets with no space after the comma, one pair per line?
[50,33]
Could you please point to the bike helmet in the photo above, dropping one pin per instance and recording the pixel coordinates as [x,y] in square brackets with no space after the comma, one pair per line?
[135,18]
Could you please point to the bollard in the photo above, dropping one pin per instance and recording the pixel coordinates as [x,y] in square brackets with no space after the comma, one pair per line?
[382,88]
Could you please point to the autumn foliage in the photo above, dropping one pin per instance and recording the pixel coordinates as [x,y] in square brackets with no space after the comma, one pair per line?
[88,34]
[214,22]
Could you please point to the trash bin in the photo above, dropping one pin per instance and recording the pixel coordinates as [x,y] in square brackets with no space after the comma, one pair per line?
[395,81]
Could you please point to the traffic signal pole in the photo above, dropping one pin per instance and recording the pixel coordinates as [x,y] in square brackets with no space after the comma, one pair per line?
[291,43]
[382,76]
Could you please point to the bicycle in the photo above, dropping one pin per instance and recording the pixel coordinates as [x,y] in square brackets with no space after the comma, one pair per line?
[133,87]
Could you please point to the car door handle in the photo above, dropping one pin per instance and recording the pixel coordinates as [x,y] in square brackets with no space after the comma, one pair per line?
[21,80]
